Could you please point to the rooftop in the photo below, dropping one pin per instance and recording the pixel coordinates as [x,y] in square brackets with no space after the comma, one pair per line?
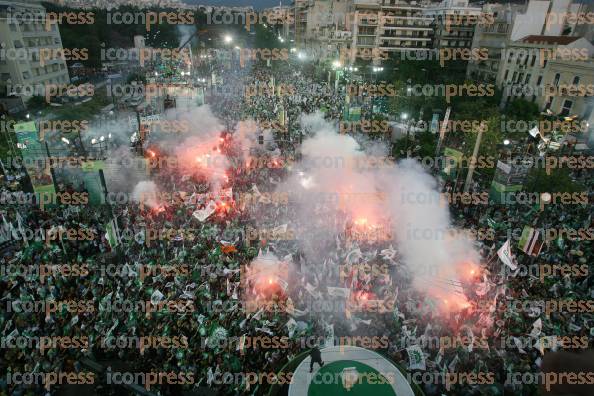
[550,40]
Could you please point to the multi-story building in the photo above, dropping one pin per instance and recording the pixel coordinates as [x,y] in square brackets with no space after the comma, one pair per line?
[454,22]
[321,27]
[23,35]
[533,67]
[388,27]
[493,38]
[570,73]
[514,22]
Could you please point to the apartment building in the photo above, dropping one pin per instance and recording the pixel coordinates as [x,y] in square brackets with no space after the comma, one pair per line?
[534,68]
[321,28]
[22,35]
[492,37]
[514,22]
[388,27]
[454,22]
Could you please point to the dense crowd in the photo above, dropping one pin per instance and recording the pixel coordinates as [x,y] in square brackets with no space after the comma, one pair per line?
[213,252]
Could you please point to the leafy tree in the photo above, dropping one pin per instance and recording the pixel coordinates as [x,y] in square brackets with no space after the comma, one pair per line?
[558,181]
[36,102]
[522,110]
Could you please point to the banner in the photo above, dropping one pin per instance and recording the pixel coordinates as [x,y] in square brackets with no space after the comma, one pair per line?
[416,358]
[355,113]
[200,96]
[434,123]
[92,181]
[529,241]
[452,160]
[113,234]
[505,255]
[508,178]
[35,156]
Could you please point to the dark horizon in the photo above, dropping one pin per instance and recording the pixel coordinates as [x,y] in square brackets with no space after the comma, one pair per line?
[258,5]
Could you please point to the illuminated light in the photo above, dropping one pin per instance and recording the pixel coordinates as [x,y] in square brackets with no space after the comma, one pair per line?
[472,272]
[361,221]
[270,281]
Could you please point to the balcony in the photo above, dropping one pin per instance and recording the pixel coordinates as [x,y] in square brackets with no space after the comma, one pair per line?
[405,38]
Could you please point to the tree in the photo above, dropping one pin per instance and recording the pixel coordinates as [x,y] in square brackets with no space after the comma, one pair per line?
[36,102]
[522,110]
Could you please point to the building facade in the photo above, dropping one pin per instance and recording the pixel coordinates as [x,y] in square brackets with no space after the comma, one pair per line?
[454,22]
[385,27]
[24,36]
[535,67]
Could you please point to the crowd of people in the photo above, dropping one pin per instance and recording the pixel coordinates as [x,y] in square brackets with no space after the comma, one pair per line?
[198,268]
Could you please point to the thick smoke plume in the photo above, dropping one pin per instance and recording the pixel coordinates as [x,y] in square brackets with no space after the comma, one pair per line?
[338,182]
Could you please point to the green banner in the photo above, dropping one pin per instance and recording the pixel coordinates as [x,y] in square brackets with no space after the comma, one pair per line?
[355,113]
[508,178]
[451,163]
[92,181]
[35,158]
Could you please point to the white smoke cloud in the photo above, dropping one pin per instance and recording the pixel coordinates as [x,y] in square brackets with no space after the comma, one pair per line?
[339,180]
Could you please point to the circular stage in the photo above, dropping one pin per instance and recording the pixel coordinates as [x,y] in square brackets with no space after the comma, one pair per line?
[349,370]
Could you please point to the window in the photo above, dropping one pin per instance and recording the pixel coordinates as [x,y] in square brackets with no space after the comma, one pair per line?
[539,80]
[520,77]
[26,75]
[509,57]
[576,80]
[556,80]
[514,76]
[533,61]
[527,79]
[566,107]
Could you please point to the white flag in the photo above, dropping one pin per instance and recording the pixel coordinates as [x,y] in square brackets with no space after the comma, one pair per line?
[416,358]
[534,132]
[505,255]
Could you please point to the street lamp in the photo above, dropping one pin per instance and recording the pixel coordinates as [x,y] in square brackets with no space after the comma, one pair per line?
[228,39]
[300,55]
[506,142]
[336,64]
